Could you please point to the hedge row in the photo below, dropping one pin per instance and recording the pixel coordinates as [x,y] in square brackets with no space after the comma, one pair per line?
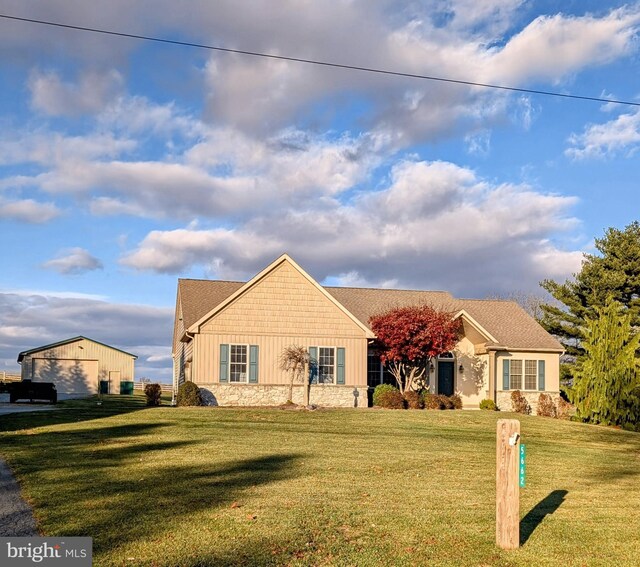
[388,396]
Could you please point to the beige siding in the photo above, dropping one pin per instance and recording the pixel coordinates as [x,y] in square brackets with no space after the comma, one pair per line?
[69,375]
[552,367]
[206,361]
[108,360]
[178,347]
[284,302]
[472,384]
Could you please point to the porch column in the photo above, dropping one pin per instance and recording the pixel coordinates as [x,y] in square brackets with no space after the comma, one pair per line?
[492,375]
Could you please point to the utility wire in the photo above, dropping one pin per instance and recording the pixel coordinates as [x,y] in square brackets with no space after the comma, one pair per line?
[321,63]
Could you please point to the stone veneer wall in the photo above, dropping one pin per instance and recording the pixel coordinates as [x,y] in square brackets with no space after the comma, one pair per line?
[327,395]
[503,399]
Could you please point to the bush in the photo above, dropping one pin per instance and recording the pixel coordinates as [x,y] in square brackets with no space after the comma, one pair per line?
[413,399]
[489,405]
[381,389]
[388,397]
[564,409]
[456,401]
[519,403]
[153,393]
[445,402]
[189,395]
[431,401]
[546,407]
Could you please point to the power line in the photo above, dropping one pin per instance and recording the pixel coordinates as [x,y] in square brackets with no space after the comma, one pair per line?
[321,63]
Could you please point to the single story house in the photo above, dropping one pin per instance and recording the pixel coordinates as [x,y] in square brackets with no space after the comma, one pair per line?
[228,338]
[80,366]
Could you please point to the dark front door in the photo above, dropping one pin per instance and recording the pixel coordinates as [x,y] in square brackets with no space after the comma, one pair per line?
[445,377]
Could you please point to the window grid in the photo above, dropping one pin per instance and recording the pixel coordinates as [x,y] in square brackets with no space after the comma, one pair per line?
[238,363]
[515,375]
[530,374]
[326,365]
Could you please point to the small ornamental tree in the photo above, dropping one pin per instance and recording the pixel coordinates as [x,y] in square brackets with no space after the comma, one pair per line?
[294,360]
[410,337]
[607,386]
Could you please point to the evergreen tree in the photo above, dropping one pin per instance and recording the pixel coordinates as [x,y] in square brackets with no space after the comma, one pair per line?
[607,377]
[615,273]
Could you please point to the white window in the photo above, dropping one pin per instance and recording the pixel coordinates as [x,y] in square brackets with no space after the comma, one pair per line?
[515,375]
[238,363]
[326,365]
[523,374]
[530,374]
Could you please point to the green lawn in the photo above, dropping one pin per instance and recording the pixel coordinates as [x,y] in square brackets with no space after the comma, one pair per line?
[211,486]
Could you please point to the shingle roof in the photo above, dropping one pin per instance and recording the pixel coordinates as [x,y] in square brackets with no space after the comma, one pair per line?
[198,297]
[509,324]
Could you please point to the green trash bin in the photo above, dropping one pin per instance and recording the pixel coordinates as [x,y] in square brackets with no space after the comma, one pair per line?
[104,386]
[126,388]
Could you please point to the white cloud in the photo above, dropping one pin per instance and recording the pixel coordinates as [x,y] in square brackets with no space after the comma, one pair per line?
[220,173]
[435,225]
[555,46]
[620,135]
[74,261]
[263,95]
[474,40]
[28,210]
[90,94]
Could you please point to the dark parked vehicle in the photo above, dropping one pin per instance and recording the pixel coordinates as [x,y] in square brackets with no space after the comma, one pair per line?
[28,390]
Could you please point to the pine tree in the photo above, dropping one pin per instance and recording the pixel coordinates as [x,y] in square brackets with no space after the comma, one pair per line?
[615,273]
[607,377]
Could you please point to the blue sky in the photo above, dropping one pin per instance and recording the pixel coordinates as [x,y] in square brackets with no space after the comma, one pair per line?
[126,164]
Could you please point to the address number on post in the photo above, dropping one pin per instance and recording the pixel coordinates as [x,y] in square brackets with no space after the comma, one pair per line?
[522,465]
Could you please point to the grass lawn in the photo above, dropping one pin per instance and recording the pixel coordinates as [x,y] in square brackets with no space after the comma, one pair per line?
[211,486]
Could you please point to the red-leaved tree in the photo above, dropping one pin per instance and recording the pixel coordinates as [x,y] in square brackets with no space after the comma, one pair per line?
[410,336]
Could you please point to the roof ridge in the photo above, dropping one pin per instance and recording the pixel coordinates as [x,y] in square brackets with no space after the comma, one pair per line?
[213,281]
[386,289]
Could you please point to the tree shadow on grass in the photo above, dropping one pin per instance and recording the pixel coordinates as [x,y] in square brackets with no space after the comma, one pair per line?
[547,506]
[73,411]
[108,482]
[177,491]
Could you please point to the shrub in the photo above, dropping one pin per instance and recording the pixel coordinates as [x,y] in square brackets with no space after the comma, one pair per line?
[189,395]
[389,398]
[413,399]
[456,401]
[564,409]
[546,407]
[489,405]
[153,393]
[445,402]
[380,389]
[519,403]
[431,401]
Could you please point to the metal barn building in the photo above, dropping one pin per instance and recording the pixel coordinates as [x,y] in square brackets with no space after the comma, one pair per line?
[80,366]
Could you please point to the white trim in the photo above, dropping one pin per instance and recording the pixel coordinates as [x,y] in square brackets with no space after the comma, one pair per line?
[335,366]
[246,373]
[524,374]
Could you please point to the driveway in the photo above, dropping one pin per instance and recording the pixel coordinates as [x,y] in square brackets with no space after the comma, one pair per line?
[16,516]
[6,407]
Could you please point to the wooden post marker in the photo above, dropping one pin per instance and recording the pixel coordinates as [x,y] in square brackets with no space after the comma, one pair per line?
[507,484]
